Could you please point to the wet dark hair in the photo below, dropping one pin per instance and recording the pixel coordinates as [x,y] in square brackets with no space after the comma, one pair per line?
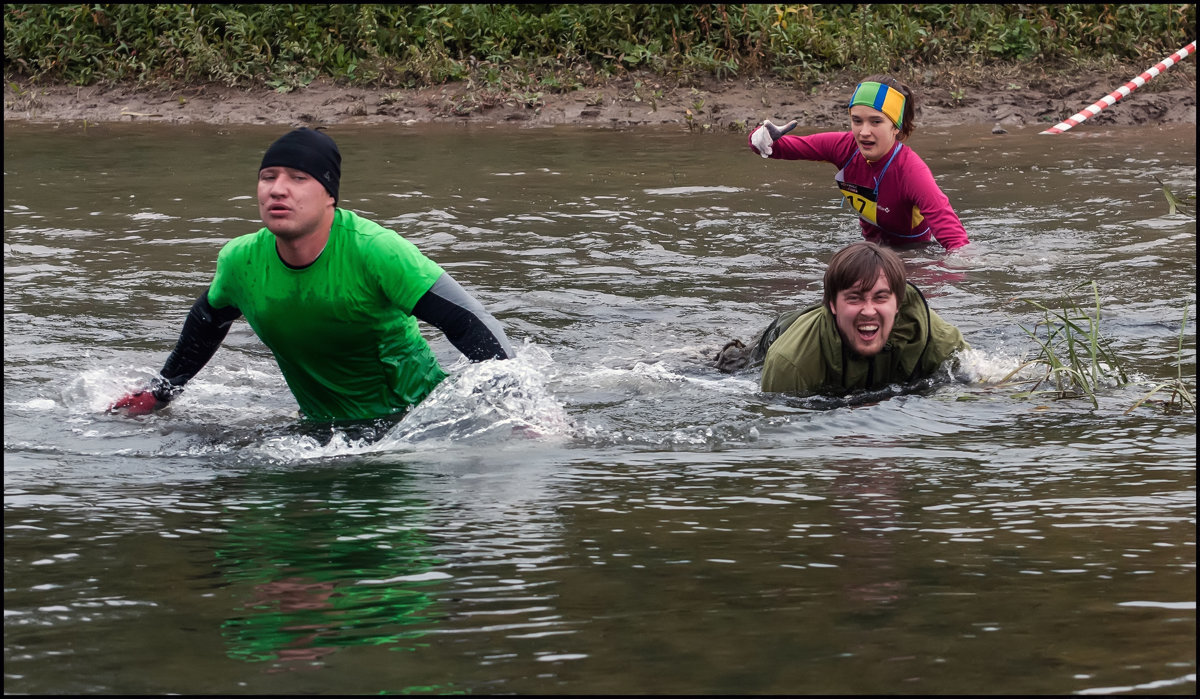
[858,265]
[910,102]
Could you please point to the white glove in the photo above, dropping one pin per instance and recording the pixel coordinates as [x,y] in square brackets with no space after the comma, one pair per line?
[761,139]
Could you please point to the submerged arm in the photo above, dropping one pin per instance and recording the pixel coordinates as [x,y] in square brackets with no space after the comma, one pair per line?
[203,332]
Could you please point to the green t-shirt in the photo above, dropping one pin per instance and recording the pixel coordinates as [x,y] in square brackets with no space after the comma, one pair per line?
[341,328]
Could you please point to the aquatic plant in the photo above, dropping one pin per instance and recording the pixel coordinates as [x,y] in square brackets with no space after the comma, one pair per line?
[1172,201]
[1179,389]
[1075,358]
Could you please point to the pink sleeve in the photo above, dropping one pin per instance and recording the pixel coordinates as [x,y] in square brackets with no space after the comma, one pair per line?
[924,192]
[834,147]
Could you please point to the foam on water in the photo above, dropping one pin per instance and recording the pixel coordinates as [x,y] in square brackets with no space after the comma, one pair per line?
[693,190]
[673,399]
[980,366]
[479,404]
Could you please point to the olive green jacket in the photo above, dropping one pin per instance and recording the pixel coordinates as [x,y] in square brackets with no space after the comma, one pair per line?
[805,353]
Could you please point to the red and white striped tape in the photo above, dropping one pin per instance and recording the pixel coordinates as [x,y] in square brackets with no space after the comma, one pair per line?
[1123,91]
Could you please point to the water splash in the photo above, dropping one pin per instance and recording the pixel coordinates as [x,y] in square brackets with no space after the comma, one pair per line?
[488,402]
[92,391]
[981,366]
[479,404]
[222,393]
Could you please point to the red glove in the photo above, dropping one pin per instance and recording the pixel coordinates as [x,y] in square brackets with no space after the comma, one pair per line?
[140,403]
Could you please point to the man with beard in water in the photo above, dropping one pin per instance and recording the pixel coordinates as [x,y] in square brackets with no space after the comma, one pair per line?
[874,328]
[336,298]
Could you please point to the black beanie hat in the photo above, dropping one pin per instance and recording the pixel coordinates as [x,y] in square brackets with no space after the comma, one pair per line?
[310,151]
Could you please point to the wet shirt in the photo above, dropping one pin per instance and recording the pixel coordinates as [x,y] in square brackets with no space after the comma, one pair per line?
[341,328]
[896,198]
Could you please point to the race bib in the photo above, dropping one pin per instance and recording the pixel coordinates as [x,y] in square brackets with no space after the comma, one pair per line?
[862,199]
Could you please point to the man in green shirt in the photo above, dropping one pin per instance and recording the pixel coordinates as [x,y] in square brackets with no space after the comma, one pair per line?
[874,328]
[336,298]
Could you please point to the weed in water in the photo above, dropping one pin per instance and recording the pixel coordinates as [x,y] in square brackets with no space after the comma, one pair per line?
[1181,395]
[1173,203]
[1077,361]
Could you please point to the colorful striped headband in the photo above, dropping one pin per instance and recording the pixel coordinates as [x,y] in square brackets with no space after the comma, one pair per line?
[886,99]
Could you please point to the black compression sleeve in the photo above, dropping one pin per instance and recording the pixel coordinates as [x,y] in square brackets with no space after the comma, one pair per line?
[449,308]
[203,332]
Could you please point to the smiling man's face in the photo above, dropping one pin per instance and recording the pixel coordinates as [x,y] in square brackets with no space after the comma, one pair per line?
[865,317]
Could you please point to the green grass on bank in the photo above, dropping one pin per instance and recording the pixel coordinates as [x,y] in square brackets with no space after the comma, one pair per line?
[557,48]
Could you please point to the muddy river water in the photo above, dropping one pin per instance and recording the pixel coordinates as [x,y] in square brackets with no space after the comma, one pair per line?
[606,513]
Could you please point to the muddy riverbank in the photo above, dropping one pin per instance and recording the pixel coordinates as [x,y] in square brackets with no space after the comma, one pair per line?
[947,96]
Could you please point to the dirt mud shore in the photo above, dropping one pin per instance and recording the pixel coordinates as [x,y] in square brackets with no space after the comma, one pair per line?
[945,98]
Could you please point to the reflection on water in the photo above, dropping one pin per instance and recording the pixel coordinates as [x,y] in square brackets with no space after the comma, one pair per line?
[606,513]
[349,571]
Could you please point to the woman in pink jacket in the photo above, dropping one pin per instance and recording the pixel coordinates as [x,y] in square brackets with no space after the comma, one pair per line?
[888,185]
